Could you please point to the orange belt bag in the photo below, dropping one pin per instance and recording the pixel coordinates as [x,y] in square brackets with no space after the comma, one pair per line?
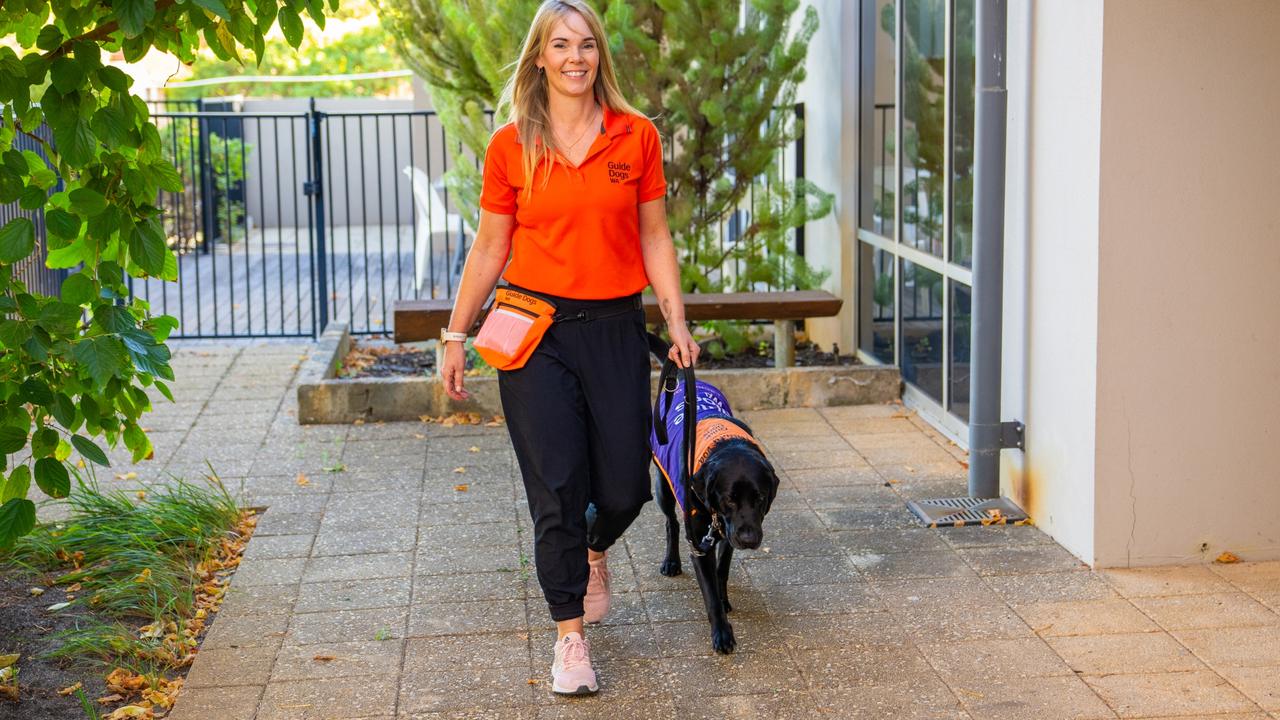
[513,328]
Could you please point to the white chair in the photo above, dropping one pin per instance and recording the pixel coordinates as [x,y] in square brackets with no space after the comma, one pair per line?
[438,229]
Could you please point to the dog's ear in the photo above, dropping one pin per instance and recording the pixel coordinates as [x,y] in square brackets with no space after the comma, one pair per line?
[773,488]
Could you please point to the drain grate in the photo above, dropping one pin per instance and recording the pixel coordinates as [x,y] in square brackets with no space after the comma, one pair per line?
[958,512]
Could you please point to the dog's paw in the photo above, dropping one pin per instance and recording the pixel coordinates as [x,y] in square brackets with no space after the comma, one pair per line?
[722,639]
[728,607]
[670,568]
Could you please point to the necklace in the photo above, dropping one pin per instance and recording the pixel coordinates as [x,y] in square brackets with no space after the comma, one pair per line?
[583,134]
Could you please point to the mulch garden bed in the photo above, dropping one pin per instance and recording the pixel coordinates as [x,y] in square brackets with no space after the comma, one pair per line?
[28,629]
[368,359]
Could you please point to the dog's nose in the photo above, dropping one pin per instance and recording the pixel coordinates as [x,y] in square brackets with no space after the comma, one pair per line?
[749,538]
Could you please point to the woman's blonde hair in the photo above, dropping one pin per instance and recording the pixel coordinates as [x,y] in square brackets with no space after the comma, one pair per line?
[526,94]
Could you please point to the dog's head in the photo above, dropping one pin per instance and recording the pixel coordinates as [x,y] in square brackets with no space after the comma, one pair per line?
[738,483]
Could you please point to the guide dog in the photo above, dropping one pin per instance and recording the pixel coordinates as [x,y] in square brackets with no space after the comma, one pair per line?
[729,489]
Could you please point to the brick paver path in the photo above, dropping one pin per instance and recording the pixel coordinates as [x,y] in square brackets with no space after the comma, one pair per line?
[419,599]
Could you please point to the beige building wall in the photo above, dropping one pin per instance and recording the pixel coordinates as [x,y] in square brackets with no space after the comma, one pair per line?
[1188,366]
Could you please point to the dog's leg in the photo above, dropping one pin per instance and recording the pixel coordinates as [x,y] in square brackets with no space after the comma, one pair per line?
[667,502]
[722,639]
[724,555]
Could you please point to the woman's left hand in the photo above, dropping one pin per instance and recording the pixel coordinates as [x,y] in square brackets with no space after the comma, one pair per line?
[684,351]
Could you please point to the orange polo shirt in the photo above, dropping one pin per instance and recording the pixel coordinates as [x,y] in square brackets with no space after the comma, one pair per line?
[579,235]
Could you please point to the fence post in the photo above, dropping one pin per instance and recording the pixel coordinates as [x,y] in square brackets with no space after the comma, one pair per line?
[800,194]
[207,201]
[314,187]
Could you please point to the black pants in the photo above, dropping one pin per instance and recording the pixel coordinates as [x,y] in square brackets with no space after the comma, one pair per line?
[579,418]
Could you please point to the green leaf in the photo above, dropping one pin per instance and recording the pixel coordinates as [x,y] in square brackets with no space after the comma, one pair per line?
[214,6]
[164,390]
[66,74]
[147,250]
[50,38]
[52,477]
[137,442]
[18,484]
[290,25]
[115,78]
[13,334]
[64,411]
[17,240]
[76,141]
[103,357]
[12,439]
[162,326]
[134,15]
[167,176]
[44,442]
[114,318]
[17,518]
[78,289]
[70,256]
[35,391]
[33,197]
[90,450]
[62,224]
[87,201]
[111,125]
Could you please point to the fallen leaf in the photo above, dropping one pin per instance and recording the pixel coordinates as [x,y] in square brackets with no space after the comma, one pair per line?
[419,436]
[126,476]
[1227,558]
[72,588]
[963,464]
[9,691]
[302,480]
[473,449]
[57,606]
[462,488]
[130,711]
[534,681]
[460,470]
[908,468]
[70,689]
[142,494]
[358,421]
[36,592]
[325,658]
[109,699]
[7,660]
[143,576]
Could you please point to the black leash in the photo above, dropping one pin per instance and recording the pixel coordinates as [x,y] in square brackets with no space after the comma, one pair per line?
[667,383]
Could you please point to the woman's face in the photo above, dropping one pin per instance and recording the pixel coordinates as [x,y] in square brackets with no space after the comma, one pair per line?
[570,57]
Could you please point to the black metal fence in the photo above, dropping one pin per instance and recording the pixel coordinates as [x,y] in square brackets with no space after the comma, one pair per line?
[290,220]
[32,270]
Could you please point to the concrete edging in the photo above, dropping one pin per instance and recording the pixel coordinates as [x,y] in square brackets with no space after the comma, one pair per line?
[324,398]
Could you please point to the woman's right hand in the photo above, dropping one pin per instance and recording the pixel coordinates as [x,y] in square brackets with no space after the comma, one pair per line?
[453,369]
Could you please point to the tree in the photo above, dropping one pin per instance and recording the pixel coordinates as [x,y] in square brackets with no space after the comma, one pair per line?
[720,80]
[78,365]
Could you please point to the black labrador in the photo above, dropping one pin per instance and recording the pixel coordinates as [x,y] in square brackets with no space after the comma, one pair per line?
[730,493]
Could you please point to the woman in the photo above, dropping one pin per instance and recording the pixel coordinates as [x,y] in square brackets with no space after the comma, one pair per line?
[574,195]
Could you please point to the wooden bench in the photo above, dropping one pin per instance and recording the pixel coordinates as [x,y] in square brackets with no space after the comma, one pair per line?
[417,320]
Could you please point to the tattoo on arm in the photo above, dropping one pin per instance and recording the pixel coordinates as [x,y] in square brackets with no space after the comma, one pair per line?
[666,310]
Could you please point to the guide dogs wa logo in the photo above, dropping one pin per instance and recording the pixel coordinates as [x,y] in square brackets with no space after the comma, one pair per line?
[619,172]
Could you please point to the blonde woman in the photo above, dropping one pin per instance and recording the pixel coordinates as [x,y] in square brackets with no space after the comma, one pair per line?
[574,195]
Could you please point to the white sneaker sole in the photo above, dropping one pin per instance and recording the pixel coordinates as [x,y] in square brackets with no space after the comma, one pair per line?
[581,690]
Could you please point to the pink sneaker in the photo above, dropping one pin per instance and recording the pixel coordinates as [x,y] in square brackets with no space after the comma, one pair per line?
[571,672]
[596,603]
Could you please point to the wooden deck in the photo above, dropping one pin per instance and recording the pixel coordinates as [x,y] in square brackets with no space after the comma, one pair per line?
[263,286]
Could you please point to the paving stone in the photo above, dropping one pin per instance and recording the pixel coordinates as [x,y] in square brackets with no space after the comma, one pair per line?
[246,631]
[427,690]
[459,652]
[1125,653]
[804,632]
[486,558]
[884,665]
[1040,698]
[612,708]
[362,542]
[740,673]
[275,522]
[620,680]
[466,617]
[824,599]
[500,713]
[1185,693]
[340,698]
[407,482]
[224,703]
[1024,560]
[800,571]
[991,662]
[867,518]
[842,496]
[1192,612]
[468,586]
[794,705]
[1085,617]
[231,666]
[468,514]
[295,503]
[341,518]
[1259,684]
[253,489]
[978,536]
[358,567]
[280,571]
[258,600]
[347,626]
[889,540]
[1254,578]
[611,642]
[353,595]
[1241,647]
[900,566]
[338,659]
[446,538]
[1051,587]
[270,547]
[1163,581]
[861,474]
[928,700]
